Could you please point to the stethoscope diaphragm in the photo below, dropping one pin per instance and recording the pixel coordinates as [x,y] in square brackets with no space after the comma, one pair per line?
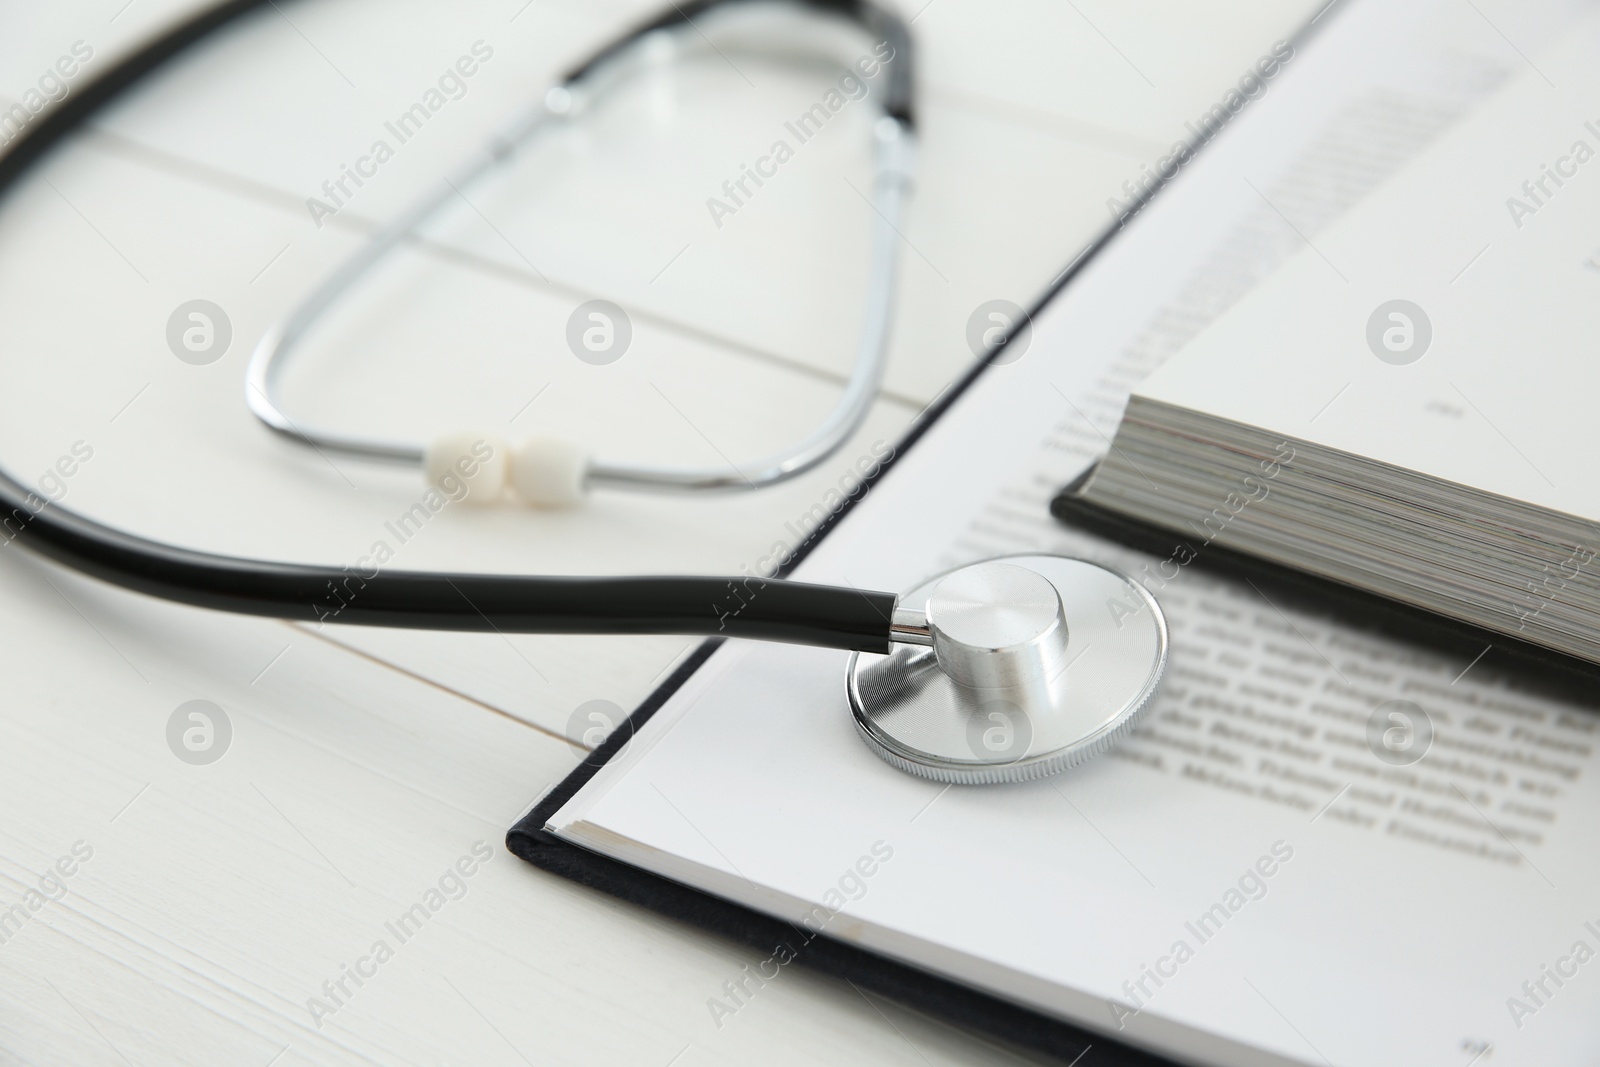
[1031,664]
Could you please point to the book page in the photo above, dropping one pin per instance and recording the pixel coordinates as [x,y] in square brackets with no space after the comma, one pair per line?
[1266,872]
[1448,325]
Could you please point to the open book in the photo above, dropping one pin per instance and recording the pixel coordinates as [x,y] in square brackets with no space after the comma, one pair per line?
[1322,846]
[1408,406]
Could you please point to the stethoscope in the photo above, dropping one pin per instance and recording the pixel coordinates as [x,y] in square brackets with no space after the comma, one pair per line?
[1000,671]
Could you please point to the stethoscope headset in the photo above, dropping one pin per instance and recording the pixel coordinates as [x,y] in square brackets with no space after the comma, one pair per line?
[1000,671]
[548,471]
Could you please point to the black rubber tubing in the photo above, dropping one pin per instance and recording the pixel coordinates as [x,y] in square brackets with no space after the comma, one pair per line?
[759,608]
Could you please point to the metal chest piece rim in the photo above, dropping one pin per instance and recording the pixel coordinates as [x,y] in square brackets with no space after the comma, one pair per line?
[1025,666]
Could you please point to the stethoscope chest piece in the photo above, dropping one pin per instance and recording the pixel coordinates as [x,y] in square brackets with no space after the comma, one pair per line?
[1014,669]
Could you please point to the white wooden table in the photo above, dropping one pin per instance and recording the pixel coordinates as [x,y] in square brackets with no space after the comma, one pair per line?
[217,900]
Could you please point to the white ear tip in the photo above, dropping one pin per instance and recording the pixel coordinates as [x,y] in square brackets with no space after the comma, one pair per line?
[549,472]
[468,466]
